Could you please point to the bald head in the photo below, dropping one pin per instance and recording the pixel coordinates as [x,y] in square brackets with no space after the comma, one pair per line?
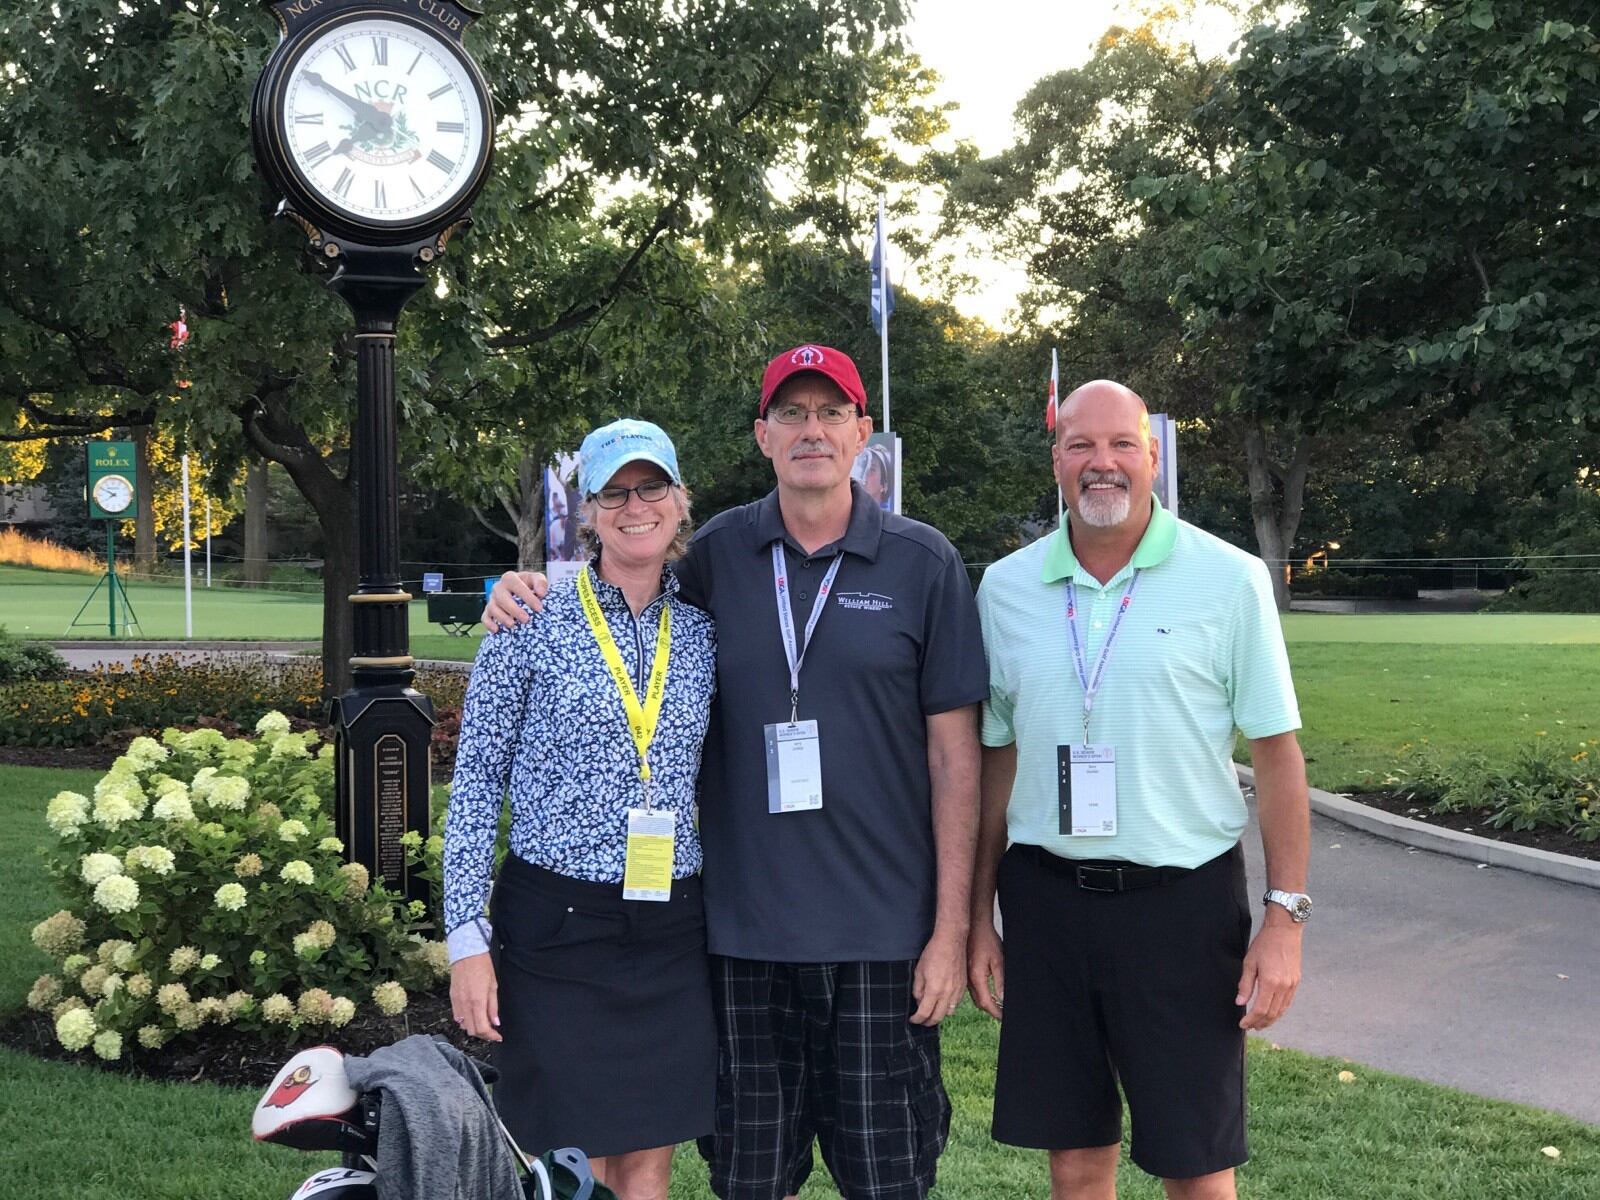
[1104,398]
[1105,458]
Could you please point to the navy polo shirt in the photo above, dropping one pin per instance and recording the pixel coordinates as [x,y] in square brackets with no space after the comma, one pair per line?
[897,641]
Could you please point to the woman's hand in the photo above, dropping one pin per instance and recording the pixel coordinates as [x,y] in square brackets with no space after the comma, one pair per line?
[475,997]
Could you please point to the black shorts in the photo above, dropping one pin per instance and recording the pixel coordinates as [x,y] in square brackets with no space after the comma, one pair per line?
[1135,987]
[824,1052]
[605,1008]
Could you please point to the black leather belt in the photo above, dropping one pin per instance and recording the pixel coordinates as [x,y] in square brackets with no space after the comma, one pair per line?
[1102,875]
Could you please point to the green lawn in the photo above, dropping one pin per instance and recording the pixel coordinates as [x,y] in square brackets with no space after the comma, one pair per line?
[76,1133]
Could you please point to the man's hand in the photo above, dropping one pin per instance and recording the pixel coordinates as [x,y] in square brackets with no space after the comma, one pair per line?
[475,997]
[502,612]
[937,983]
[1271,971]
[986,968]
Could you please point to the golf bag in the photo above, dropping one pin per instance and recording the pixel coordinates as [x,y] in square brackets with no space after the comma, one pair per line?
[310,1105]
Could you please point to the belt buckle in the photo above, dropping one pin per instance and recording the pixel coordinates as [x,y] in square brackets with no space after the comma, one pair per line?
[1113,873]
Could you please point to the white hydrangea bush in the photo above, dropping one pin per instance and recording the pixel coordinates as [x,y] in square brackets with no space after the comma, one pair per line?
[203,885]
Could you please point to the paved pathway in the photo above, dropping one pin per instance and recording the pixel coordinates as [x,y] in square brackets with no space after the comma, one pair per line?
[1429,966]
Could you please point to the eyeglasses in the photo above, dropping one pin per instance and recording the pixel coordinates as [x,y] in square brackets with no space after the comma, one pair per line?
[650,491]
[796,414]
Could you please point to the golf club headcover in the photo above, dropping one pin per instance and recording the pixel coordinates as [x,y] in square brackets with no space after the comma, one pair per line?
[310,1105]
[339,1183]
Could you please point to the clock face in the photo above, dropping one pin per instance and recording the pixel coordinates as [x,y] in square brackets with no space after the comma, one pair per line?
[383,122]
[113,493]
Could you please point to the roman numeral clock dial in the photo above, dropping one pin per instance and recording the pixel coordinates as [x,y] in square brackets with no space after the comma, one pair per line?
[382,121]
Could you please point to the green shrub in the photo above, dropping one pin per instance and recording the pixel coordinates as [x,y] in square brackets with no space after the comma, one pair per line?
[1349,585]
[202,885]
[155,692]
[28,662]
[1546,786]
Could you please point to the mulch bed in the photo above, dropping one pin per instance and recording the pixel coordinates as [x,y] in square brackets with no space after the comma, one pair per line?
[232,1057]
[86,758]
[1406,804]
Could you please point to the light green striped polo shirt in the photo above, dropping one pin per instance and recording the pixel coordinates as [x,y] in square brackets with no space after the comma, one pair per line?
[1200,653]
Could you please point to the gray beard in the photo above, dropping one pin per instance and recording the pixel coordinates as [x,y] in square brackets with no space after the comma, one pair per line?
[1102,510]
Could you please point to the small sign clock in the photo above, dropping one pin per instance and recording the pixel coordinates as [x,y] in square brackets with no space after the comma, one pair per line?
[371,118]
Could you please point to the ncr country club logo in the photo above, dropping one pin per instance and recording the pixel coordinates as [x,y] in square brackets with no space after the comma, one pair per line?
[865,601]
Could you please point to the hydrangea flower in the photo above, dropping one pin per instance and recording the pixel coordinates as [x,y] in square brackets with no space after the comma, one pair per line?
[248,866]
[230,897]
[152,1037]
[209,962]
[166,785]
[115,952]
[258,958]
[93,980]
[146,752]
[239,1003]
[229,792]
[59,935]
[118,894]
[436,957]
[213,1010]
[66,812]
[357,879]
[326,752]
[112,985]
[70,1004]
[239,752]
[277,1008]
[288,746]
[115,809]
[342,1009]
[292,830]
[201,741]
[315,1005]
[95,867]
[306,947]
[297,871]
[322,933]
[272,723]
[187,1018]
[75,1029]
[174,806]
[183,960]
[108,1045]
[411,840]
[158,860]
[74,965]
[44,993]
[139,986]
[416,910]
[331,844]
[171,997]
[390,998]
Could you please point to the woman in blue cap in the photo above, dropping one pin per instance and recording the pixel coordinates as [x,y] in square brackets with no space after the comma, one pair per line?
[590,970]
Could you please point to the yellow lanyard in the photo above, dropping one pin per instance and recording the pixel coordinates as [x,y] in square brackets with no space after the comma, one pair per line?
[642,719]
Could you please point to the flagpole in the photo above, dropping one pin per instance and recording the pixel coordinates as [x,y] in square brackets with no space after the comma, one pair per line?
[208,540]
[188,596]
[1055,404]
[883,323]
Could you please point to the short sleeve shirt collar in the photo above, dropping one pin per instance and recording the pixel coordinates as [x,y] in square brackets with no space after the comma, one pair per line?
[1153,548]
[860,538]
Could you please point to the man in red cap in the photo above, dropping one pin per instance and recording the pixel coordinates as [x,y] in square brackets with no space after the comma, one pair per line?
[838,801]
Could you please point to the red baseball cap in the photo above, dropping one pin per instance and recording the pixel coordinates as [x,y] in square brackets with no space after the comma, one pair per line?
[831,364]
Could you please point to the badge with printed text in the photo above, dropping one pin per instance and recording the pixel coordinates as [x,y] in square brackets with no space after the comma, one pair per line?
[647,871]
[1086,785]
[794,767]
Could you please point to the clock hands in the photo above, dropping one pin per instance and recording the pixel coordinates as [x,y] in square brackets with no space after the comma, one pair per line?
[367,114]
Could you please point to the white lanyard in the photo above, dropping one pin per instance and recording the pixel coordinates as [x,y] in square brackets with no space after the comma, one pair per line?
[780,585]
[1091,687]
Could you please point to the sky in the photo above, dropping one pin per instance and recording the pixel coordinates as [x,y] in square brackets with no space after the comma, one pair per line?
[989,53]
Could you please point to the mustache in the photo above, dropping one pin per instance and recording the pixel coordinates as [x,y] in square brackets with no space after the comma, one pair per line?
[815,446]
[1091,477]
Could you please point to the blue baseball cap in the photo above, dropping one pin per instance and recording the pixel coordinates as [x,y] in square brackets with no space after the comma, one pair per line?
[611,447]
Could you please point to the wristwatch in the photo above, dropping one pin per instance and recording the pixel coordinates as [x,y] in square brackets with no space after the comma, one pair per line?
[1298,904]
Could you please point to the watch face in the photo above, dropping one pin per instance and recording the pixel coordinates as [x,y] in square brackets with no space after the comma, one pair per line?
[113,493]
[383,121]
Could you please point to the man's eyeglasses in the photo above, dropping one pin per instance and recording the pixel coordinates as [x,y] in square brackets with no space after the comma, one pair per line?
[796,414]
[650,491]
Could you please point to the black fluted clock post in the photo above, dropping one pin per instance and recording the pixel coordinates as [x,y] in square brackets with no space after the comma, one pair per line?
[375,125]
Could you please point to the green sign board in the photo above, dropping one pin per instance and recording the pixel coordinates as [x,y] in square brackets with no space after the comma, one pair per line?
[112,472]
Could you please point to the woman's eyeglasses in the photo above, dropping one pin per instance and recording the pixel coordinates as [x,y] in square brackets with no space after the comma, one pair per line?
[650,491]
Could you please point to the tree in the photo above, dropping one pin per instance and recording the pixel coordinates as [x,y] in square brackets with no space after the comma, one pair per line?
[152,202]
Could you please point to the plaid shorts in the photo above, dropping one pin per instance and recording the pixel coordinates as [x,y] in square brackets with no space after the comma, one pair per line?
[823,1052]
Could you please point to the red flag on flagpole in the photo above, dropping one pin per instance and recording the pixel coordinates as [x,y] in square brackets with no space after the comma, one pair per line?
[1050,404]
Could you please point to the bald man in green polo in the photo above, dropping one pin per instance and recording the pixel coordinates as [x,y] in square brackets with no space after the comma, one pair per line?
[1125,650]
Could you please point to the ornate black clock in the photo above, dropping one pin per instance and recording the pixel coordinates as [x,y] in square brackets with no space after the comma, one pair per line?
[375,126]
[371,119]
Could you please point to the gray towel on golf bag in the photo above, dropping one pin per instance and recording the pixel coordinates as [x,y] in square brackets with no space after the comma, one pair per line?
[437,1136]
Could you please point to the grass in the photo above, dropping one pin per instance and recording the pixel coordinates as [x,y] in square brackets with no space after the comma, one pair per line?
[76,1133]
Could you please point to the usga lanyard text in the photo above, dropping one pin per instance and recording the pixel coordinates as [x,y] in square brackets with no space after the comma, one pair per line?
[780,585]
[1091,687]
[642,718]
